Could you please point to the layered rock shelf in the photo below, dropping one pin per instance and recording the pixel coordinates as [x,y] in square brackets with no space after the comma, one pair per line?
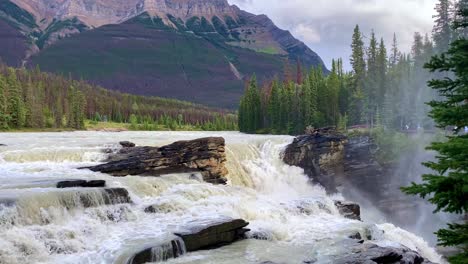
[198,235]
[206,156]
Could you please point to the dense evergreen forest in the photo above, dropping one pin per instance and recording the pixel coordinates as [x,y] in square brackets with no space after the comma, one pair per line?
[385,88]
[34,99]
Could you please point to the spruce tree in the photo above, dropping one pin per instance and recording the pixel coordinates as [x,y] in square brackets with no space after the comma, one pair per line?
[447,186]
[4,117]
[15,105]
[442,32]
[359,73]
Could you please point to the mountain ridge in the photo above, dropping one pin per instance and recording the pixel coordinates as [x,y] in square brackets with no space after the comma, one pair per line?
[117,31]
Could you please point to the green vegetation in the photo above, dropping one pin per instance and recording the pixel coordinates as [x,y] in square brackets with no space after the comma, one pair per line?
[269,50]
[36,100]
[447,186]
[380,91]
[58,25]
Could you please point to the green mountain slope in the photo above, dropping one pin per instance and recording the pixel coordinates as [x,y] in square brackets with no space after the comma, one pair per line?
[143,56]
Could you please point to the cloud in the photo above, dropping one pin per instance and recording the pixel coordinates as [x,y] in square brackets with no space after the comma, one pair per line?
[326,25]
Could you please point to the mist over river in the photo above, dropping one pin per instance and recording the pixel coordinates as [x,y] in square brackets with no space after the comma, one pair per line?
[42,226]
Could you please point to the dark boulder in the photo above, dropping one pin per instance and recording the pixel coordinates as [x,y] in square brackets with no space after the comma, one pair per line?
[349,210]
[373,254]
[213,234]
[81,183]
[127,144]
[3,145]
[173,249]
[205,155]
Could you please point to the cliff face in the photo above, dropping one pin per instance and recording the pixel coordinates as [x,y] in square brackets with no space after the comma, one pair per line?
[95,13]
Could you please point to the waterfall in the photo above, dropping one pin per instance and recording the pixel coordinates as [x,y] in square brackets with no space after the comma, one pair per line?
[292,217]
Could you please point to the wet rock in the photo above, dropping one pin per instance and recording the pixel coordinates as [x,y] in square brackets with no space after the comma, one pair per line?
[158,253]
[319,154]
[127,144]
[109,196]
[152,209]
[373,254]
[81,183]
[356,235]
[349,210]
[205,155]
[213,234]
[71,184]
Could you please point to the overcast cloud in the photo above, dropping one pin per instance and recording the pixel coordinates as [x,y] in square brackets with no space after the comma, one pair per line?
[326,25]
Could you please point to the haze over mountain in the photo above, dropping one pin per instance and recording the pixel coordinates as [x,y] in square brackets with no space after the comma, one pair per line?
[197,50]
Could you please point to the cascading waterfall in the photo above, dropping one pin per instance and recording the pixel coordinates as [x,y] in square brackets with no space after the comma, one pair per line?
[40,224]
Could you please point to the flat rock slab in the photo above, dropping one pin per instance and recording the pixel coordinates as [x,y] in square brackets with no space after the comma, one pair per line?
[212,233]
[81,183]
[204,155]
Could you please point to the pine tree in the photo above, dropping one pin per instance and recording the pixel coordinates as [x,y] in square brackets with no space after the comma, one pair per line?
[359,73]
[447,186]
[4,118]
[372,83]
[274,106]
[395,53]
[442,32]
[15,105]
[460,20]
[382,66]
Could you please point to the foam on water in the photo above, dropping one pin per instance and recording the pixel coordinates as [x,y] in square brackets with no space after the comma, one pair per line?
[298,220]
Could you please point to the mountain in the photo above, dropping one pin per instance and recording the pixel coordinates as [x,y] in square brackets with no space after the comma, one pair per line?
[197,50]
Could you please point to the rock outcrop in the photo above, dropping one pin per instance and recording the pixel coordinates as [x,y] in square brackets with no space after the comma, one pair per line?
[213,233]
[370,253]
[198,235]
[321,155]
[333,160]
[205,155]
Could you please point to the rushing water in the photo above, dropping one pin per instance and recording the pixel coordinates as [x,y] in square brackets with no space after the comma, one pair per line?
[47,225]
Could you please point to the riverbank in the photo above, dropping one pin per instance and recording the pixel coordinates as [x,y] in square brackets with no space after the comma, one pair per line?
[108,127]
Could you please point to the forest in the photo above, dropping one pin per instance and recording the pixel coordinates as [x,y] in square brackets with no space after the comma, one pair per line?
[38,100]
[385,88]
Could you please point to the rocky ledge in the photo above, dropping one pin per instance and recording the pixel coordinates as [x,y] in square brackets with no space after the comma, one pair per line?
[204,155]
[198,235]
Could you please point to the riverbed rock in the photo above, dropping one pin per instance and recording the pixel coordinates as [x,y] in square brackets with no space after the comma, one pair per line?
[319,154]
[349,210]
[109,196]
[371,253]
[212,233]
[204,155]
[81,183]
[162,252]
[127,144]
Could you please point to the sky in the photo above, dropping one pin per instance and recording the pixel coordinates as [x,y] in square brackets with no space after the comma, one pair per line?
[326,26]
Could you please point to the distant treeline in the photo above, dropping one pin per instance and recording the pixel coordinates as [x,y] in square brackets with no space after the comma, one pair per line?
[383,89]
[34,99]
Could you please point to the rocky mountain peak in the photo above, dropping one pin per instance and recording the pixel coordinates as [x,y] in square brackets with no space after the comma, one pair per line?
[95,13]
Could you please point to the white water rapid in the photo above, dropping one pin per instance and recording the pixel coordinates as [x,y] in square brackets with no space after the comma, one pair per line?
[42,224]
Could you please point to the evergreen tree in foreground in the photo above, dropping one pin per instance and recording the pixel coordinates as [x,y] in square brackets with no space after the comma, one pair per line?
[448,186]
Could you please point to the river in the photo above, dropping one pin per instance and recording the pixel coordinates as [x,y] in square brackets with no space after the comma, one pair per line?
[43,227]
